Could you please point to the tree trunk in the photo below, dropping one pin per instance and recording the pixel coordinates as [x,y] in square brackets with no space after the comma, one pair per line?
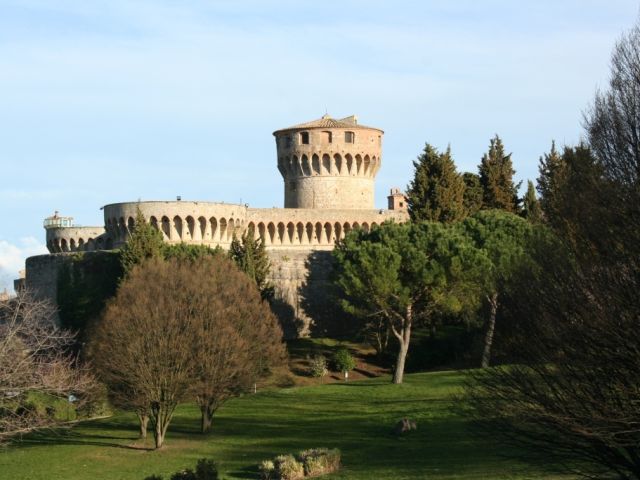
[206,418]
[488,339]
[161,417]
[143,419]
[404,337]
[158,435]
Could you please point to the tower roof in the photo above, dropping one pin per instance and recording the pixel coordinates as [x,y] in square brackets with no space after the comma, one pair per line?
[326,121]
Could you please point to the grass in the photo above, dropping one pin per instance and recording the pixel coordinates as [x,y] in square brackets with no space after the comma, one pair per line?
[356,417]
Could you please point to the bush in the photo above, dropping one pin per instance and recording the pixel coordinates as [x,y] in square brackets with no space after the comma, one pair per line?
[308,463]
[288,468]
[320,461]
[343,361]
[205,470]
[267,470]
[318,366]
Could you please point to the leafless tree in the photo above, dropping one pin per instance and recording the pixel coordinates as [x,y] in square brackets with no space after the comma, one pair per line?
[35,356]
[178,329]
[237,337]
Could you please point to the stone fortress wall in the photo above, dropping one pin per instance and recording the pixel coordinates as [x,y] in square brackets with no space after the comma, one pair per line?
[329,169]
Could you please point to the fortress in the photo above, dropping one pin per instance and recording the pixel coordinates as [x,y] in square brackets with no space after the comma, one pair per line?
[328,167]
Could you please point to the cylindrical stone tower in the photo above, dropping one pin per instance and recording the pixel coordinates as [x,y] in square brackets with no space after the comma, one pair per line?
[329,163]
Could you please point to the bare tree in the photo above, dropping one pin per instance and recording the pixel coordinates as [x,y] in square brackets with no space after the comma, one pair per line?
[237,337]
[178,329]
[35,356]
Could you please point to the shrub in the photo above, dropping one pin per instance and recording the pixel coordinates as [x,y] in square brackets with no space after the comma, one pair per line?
[318,366]
[187,474]
[343,361]
[205,470]
[320,461]
[308,463]
[267,470]
[288,468]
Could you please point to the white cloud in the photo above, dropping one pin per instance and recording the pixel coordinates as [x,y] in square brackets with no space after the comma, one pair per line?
[12,257]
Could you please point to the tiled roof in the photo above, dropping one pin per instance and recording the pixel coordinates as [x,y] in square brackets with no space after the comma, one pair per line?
[327,122]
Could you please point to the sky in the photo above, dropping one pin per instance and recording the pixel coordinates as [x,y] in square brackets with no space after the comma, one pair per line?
[120,100]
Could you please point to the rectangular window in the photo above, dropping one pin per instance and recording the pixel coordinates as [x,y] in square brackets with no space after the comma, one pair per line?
[287,141]
[349,137]
[304,138]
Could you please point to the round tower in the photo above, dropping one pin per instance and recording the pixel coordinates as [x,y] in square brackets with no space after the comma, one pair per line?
[329,163]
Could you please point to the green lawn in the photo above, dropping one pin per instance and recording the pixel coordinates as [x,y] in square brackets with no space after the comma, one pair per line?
[356,417]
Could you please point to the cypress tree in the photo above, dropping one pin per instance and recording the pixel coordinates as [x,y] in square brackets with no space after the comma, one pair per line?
[553,172]
[436,192]
[250,255]
[144,242]
[472,198]
[530,205]
[496,177]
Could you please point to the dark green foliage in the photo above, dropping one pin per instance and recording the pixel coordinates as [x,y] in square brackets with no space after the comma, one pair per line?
[551,177]
[144,242]
[85,282]
[503,237]
[250,255]
[186,252]
[205,470]
[531,209]
[496,178]
[472,198]
[437,189]
[406,273]
[343,361]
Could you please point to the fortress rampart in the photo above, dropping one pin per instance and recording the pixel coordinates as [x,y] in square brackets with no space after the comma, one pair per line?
[329,168]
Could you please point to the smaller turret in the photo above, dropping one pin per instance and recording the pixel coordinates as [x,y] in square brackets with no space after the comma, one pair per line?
[397,200]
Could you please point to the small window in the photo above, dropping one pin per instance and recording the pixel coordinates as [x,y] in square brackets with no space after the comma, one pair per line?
[327,136]
[349,137]
[304,138]
[287,141]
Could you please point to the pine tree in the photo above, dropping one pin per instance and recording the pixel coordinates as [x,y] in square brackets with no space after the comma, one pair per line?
[472,193]
[530,205]
[144,242]
[496,177]
[250,255]
[436,192]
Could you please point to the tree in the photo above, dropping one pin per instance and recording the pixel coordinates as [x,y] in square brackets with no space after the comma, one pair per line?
[250,255]
[551,170]
[437,189]
[496,177]
[503,237]
[530,205]
[237,341]
[144,242]
[472,199]
[572,393]
[613,120]
[35,358]
[181,329]
[406,273]
[344,361]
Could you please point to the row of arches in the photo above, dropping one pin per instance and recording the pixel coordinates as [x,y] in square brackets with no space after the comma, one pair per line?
[60,245]
[221,230]
[308,233]
[179,229]
[294,166]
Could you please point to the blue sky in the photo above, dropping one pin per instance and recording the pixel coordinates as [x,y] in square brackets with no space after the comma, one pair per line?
[107,101]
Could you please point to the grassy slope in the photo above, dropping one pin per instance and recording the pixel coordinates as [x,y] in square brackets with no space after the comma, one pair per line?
[355,417]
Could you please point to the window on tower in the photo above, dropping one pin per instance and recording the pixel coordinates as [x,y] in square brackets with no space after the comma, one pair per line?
[304,138]
[349,137]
